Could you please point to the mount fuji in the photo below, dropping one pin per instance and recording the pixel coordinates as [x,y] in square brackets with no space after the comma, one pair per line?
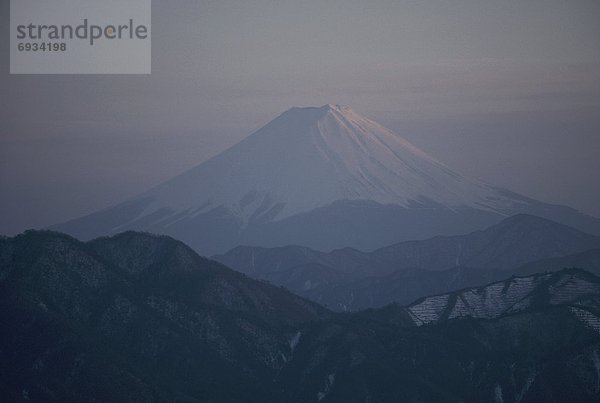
[324,177]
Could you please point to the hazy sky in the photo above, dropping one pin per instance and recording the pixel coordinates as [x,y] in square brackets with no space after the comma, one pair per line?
[504,91]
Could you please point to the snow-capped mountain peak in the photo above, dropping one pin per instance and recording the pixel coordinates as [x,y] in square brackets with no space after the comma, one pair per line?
[325,177]
[310,157]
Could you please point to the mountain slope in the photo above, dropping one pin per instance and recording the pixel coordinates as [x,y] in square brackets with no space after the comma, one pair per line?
[347,279]
[140,317]
[574,287]
[323,177]
[514,241]
[541,343]
[547,350]
[137,317]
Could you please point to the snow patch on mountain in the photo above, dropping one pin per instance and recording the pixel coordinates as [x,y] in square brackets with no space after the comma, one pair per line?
[588,318]
[430,309]
[294,341]
[510,296]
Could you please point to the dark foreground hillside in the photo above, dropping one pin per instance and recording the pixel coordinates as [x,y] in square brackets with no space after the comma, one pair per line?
[137,317]
[140,317]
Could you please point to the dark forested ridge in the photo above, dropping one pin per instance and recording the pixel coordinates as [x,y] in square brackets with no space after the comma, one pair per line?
[143,317]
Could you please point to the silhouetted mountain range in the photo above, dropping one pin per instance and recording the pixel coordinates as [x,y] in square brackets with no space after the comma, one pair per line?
[142,317]
[348,279]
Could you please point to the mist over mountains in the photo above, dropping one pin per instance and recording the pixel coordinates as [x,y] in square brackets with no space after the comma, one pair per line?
[323,177]
[348,279]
